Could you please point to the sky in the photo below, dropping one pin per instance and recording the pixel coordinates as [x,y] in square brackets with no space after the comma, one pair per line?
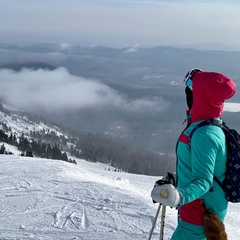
[122,22]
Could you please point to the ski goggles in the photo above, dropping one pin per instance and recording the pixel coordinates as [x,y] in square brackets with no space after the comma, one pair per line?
[188,83]
[188,78]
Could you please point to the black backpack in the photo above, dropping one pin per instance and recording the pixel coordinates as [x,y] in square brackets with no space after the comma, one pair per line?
[231,184]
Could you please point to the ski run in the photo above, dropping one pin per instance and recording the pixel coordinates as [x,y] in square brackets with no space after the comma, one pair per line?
[54,200]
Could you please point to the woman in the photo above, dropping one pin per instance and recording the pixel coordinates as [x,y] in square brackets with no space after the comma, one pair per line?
[198,197]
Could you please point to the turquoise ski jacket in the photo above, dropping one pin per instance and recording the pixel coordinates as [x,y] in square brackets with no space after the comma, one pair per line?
[196,166]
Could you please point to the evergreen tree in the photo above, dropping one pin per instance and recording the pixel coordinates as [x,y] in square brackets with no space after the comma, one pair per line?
[56,152]
[3,136]
[2,149]
[29,154]
[64,157]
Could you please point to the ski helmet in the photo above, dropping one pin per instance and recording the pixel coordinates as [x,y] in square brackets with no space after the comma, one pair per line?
[189,76]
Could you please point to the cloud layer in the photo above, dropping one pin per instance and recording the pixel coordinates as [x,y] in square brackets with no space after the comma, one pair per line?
[59,90]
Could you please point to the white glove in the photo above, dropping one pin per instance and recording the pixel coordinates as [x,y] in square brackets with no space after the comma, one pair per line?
[166,194]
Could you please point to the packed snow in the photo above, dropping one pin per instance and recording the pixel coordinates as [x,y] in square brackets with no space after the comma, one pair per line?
[54,200]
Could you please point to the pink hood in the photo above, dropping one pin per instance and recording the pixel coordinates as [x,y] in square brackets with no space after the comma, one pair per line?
[210,90]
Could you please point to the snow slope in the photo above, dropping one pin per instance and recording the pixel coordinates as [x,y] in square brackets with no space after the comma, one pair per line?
[21,124]
[54,200]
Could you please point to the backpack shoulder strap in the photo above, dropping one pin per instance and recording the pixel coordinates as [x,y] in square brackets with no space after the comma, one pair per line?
[218,182]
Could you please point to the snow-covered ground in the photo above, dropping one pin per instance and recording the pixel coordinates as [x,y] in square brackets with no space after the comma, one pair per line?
[21,124]
[54,200]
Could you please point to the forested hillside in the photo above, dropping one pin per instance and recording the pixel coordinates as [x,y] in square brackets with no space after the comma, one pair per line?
[36,138]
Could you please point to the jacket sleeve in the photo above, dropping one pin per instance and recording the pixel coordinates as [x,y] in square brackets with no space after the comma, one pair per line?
[204,149]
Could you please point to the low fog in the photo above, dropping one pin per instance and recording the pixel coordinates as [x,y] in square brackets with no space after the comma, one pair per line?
[58,90]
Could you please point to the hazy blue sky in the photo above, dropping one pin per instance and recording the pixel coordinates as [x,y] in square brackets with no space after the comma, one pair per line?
[121,22]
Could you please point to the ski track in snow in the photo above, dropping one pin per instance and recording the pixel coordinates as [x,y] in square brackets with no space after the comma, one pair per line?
[54,200]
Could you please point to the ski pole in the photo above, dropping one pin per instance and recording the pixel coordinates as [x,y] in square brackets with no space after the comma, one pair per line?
[162,222]
[155,220]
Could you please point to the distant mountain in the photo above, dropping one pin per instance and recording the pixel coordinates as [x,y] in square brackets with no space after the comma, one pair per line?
[30,65]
